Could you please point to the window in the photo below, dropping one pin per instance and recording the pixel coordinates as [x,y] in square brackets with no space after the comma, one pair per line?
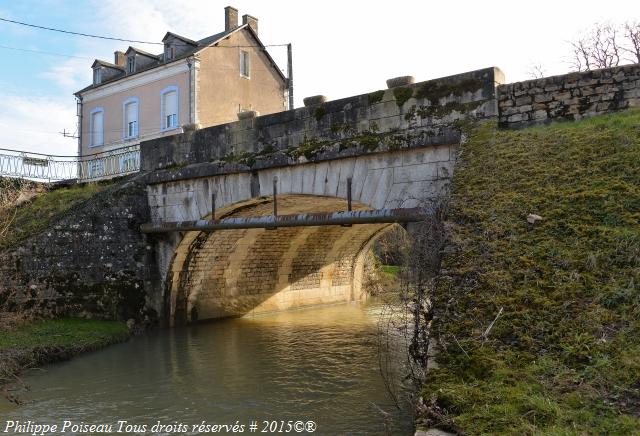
[131,64]
[169,52]
[130,118]
[169,108]
[96,127]
[244,63]
[96,76]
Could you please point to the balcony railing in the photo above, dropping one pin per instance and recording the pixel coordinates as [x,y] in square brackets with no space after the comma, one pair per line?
[50,168]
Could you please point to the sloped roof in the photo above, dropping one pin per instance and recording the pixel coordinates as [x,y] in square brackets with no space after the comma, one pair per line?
[197,47]
[180,37]
[106,64]
[142,52]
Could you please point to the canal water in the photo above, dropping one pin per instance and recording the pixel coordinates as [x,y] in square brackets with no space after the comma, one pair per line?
[320,365]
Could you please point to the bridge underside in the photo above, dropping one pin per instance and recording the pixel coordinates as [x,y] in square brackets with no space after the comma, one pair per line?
[238,272]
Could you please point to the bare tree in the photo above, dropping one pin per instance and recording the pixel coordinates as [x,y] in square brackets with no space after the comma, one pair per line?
[537,71]
[604,46]
[632,36]
[581,60]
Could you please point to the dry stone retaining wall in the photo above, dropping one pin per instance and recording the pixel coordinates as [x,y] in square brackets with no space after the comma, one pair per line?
[569,97]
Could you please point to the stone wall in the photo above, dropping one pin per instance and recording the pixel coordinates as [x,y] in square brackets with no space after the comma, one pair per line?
[90,262]
[360,124]
[569,97]
[239,272]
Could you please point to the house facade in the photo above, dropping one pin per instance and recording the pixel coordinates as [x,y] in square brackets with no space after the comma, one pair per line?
[142,96]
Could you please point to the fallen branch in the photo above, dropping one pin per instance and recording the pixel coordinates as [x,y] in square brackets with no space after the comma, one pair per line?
[488,330]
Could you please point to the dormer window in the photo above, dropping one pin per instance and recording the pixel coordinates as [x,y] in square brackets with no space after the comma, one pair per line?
[169,52]
[131,64]
[97,77]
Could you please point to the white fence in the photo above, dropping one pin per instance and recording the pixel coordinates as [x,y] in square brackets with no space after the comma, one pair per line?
[41,167]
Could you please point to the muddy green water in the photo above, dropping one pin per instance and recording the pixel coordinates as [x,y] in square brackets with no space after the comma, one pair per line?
[318,365]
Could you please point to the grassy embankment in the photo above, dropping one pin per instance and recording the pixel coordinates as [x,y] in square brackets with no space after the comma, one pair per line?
[35,215]
[26,344]
[390,270]
[564,356]
[25,340]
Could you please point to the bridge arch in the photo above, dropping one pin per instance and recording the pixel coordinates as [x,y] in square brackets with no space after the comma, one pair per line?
[401,179]
[249,271]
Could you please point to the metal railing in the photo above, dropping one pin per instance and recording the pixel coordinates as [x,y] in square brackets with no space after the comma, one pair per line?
[51,168]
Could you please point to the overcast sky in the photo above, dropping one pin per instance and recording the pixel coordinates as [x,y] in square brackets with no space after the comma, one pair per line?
[340,48]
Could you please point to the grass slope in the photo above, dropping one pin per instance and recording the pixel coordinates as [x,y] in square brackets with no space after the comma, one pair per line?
[64,332]
[564,356]
[35,216]
[27,344]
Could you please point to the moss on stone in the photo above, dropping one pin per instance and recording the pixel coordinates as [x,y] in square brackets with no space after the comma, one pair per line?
[375,97]
[370,141]
[434,91]
[440,111]
[402,94]
[266,150]
[319,113]
[33,217]
[345,129]
[308,148]
[583,104]
[176,166]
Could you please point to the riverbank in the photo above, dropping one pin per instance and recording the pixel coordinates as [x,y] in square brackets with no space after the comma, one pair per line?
[236,369]
[537,307]
[27,344]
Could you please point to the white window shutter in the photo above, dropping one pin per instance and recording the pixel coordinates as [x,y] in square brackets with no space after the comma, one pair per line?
[170,109]
[131,116]
[171,103]
[97,129]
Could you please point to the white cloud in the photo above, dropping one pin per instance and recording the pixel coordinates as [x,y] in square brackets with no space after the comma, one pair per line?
[70,74]
[32,124]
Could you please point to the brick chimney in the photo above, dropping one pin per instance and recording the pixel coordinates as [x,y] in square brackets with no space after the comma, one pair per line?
[251,21]
[118,58]
[230,18]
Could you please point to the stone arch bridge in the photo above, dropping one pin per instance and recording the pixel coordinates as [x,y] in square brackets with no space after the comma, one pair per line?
[251,270]
[398,147]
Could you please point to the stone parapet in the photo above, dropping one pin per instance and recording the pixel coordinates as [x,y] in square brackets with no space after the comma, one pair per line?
[363,122]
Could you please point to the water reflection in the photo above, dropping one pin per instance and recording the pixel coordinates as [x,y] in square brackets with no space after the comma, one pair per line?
[318,364]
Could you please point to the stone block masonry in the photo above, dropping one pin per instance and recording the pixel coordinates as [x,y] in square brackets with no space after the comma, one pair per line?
[569,97]
[350,126]
[92,262]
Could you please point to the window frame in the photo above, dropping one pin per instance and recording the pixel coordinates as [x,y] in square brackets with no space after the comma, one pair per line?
[163,116]
[94,111]
[125,126]
[169,52]
[131,64]
[97,76]
[247,64]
